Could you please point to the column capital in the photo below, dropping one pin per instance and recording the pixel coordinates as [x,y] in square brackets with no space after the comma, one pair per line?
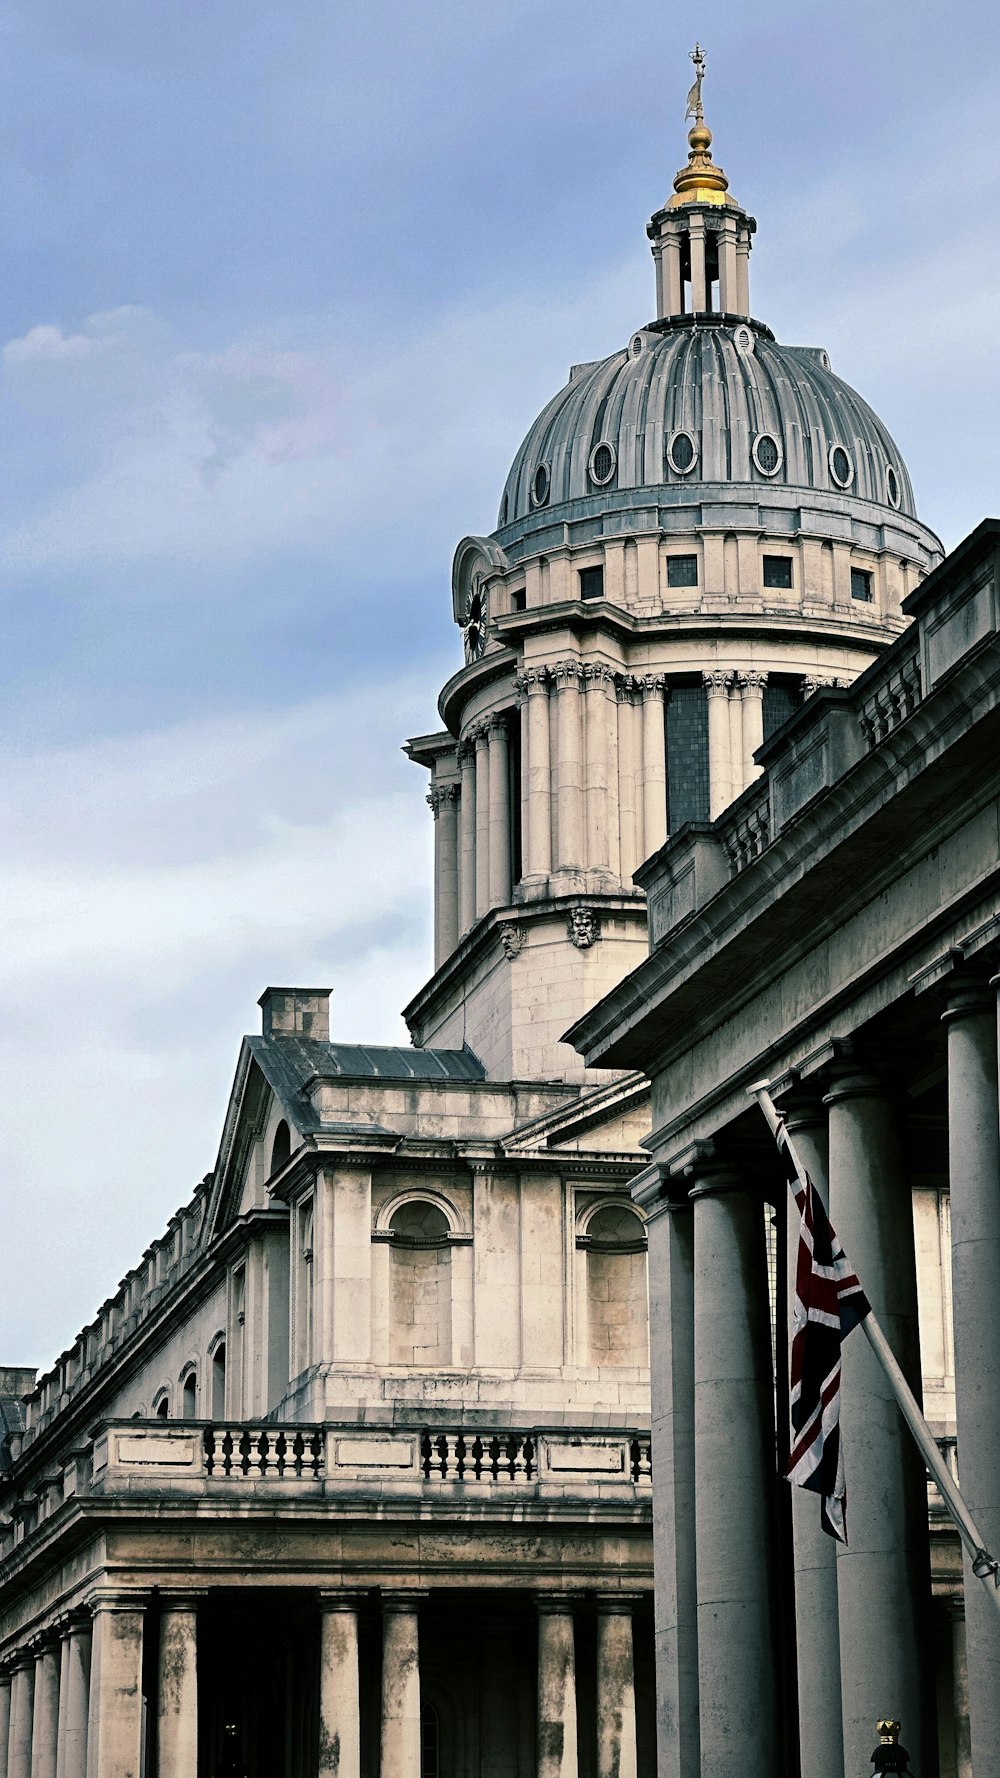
[709,1173]
[182,1598]
[44,1642]
[75,1621]
[394,1599]
[330,1599]
[717,683]
[803,1106]
[567,675]
[533,680]
[618,1604]
[651,686]
[21,1660]
[556,1604]
[851,1076]
[752,684]
[599,677]
[971,992]
[115,1599]
[496,724]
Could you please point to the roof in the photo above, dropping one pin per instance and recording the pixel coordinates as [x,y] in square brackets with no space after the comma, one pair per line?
[291,1061]
[727,383]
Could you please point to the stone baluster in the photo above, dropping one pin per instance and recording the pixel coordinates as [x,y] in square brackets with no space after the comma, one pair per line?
[670,1228]
[114,1728]
[654,764]
[883,1573]
[570,835]
[974,1176]
[814,1553]
[22,1696]
[177,1702]
[45,1706]
[734,1464]
[481,741]
[339,1687]
[752,692]
[400,1737]
[467,839]
[720,766]
[74,1695]
[500,848]
[616,1745]
[557,1738]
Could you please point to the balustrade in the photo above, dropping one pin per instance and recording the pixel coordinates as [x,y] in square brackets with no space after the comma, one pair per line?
[265,1451]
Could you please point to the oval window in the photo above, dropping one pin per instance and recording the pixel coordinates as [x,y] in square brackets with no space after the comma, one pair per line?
[682,453]
[767,453]
[892,486]
[841,467]
[602,463]
[540,485]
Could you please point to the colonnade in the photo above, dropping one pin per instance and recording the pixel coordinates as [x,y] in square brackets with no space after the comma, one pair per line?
[690,227]
[71,1700]
[861,1610]
[593,791]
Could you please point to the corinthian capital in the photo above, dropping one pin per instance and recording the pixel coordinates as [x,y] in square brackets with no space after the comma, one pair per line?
[599,676]
[753,683]
[567,675]
[717,683]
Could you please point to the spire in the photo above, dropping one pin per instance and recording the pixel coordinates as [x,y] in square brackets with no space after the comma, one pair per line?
[701,237]
[701,181]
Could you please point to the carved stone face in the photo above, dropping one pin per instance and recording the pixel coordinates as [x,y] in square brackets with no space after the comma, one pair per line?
[584,927]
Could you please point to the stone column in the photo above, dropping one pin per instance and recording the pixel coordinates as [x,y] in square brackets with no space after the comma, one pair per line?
[467,839]
[570,835]
[734,1465]
[114,1745]
[752,687]
[45,1711]
[616,1754]
[743,272]
[400,1740]
[720,769]
[600,712]
[728,274]
[557,1747]
[177,1703]
[654,765]
[960,1689]
[883,1581]
[339,1688]
[4,1719]
[74,1696]
[22,1694]
[974,1175]
[814,1554]
[482,745]
[538,833]
[672,275]
[499,812]
[629,801]
[444,804]
[669,1224]
[699,290]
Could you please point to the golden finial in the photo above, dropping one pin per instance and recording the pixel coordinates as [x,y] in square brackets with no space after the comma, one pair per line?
[701,181]
[887,1731]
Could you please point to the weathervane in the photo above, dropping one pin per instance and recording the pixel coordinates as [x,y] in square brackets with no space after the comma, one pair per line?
[694,96]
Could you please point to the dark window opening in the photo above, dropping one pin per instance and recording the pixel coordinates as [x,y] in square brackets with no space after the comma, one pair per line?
[591,583]
[189,1397]
[162,1408]
[861,585]
[219,1381]
[782,698]
[687,755]
[778,572]
[518,599]
[682,571]
[430,1742]
[281,1147]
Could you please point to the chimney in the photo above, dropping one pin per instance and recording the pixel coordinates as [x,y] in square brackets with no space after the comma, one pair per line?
[296,1012]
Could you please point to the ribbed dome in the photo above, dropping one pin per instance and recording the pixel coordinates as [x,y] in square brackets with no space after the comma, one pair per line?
[715,402]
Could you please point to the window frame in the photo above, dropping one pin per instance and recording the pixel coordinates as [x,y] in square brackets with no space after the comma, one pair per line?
[770,562]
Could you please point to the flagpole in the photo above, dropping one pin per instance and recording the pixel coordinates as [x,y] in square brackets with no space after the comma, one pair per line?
[984,1566]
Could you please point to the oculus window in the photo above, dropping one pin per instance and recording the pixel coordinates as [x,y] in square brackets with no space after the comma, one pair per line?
[682,453]
[591,583]
[778,572]
[861,585]
[682,571]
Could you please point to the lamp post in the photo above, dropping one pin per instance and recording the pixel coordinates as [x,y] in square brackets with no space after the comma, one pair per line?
[889,1756]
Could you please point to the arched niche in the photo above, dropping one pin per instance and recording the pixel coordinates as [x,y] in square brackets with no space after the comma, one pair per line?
[420,1290]
[613,1238]
[281,1147]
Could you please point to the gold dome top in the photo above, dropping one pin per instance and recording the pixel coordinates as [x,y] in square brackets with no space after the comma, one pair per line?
[701,181]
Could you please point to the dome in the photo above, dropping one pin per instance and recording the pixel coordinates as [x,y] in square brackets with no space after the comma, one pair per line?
[706,400]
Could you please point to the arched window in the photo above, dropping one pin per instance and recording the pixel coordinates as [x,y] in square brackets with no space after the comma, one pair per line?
[420,1321]
[617,1311]
[189,1394]
[430,1742]
[161,1406]
[219,1381]
[281,1147]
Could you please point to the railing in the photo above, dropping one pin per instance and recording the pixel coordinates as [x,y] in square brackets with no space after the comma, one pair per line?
[512,1457]
[264,1451]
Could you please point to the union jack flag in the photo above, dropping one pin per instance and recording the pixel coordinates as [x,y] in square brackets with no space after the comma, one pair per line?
[829,1302]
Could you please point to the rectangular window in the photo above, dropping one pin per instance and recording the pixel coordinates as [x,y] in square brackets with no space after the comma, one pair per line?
[591,583]
[861,585]
[682,571]
[778,572]
[687,756]
[518,599]
[782,698]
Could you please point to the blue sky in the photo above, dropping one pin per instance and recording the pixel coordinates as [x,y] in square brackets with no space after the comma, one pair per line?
[281,288]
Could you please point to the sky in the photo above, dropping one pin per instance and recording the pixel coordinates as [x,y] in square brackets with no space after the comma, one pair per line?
[283,284]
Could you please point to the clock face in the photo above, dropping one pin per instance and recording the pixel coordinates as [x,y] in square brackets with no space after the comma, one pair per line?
[476,620]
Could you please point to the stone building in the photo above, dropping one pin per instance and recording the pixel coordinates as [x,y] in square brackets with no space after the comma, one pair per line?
[352,1472]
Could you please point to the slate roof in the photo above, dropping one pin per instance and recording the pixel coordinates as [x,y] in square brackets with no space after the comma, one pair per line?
[288,1062]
